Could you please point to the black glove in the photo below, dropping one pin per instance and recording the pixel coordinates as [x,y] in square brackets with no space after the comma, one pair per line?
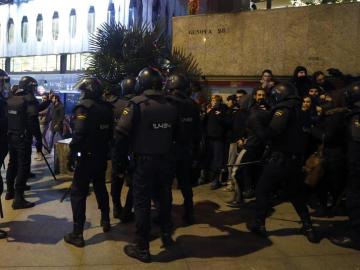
[38,145]
[71,162]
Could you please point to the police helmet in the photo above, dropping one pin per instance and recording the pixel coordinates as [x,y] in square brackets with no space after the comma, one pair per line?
[282,91]
[28,84]
[90,87]
[4,80]
[128,86]
[352,94]
[148,78]
[177,82]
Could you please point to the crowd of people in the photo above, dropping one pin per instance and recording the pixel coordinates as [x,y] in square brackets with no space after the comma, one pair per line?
[297,140]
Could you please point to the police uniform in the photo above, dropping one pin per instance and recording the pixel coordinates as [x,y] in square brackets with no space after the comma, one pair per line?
[117,179]
[284,136]
[23,125]
[189,139]
[352,238]
[93,130]
[4,78]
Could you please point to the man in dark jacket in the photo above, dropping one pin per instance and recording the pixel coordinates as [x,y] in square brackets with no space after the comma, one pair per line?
[57,119]
[119,103]
[93,130]
[301,81]
[187,141]
[352,239]
[216,129]
[23,125]
[284,136]
[148,124]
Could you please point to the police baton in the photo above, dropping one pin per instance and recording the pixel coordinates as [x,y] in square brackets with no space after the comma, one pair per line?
[1,210]
[244,163]
[48,165]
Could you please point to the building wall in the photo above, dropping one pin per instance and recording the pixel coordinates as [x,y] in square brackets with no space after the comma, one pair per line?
[67,43]
[245,43]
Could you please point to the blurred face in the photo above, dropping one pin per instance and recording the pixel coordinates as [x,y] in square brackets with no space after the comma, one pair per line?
[328,98]
[320,79]
[260,96]
[301,74]
[239,96]
[214,102]
[266,77]
[306,104]
[230,103]
[313,92]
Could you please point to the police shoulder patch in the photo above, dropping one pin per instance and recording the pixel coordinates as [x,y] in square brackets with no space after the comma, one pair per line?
[81,116]
[279,113]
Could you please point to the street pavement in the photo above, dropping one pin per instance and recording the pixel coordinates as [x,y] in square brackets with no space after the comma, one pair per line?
[218,240]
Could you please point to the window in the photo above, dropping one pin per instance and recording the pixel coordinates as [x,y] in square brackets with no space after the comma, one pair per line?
[55,26]
[39,27]
[10,31]
[24,29]
[43,63]
[72,23]
[111,14]
[77,61]
[132,10]
[91,20]
[2,63]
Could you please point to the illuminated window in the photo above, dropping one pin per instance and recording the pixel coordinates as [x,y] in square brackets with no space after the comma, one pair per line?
[43,63]
[72,23]
[132,10]
[10,31]
[55,26]
[2,63]
[91,20]
[39,27]
[77,61]
[111,14]
[24,29]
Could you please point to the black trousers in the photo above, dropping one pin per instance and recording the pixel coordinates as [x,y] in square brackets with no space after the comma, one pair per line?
[353,194]
[90,168]
[151,176]
[19,162]
[184,178]
[281,168]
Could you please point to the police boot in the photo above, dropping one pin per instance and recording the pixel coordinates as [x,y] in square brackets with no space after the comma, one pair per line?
[166,239]
[10,194]
[351,241]
[3,234]
[127,215]
[215,184]
[105,222]
[258,228]
[141,254]
[75,238]
[20,202]
[117,210]
[308,230]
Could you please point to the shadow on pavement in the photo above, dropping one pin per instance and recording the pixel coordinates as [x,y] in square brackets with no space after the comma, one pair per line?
[38,229]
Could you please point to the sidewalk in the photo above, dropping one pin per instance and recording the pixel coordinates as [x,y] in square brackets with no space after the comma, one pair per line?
[219,240]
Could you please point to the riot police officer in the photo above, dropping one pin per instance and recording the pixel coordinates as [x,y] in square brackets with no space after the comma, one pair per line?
[23,125]
[148,123]
[117,179]
[284,137]
[353,179]
[4,85]
[188,140]
[88,154]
